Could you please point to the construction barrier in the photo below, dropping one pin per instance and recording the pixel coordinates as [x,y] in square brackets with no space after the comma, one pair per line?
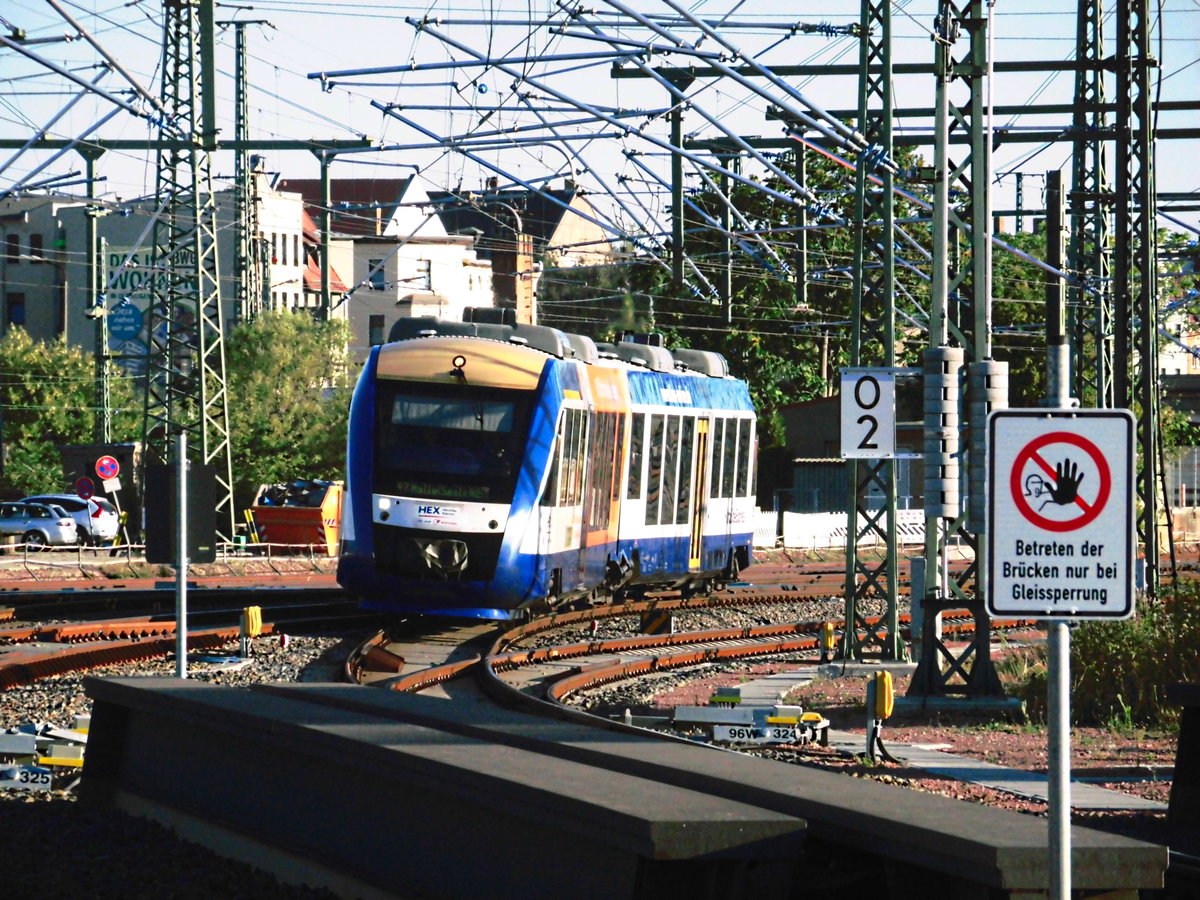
[304,513]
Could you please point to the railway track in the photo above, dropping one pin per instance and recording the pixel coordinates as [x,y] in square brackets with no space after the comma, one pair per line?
[32,647]
[554,671]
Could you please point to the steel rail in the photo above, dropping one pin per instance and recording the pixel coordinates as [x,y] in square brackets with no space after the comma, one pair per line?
[79,646]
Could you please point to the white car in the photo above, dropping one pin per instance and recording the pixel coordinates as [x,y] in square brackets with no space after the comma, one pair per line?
[37,524]
[96,520]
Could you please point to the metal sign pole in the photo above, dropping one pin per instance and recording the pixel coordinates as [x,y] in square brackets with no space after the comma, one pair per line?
[1059,702]
[181,559]
[1058,649]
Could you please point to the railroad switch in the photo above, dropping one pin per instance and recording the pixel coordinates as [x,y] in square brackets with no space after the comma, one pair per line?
[778,724]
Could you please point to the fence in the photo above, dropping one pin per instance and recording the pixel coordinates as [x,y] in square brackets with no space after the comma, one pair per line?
[817,531]
[40,562]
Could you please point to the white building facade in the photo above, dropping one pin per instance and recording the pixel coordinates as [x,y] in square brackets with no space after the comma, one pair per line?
[435,275]
[45,279]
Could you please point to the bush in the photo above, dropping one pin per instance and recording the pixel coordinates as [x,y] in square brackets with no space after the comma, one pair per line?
[1119,669]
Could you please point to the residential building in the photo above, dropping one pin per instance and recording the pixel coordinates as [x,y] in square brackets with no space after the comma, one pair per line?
[34,264]
[44,266]
[418,276]
[404,263]
[561,221]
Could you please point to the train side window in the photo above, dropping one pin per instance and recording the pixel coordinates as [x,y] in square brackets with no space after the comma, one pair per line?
[729,463]
[595,463]
[637,428]
[566,478]
[614,490]
[571,483]
[599,484]
[718,440]
[670,471]
[564,484]
[743,467]
[753,460]
[654,476]
[686,466]
[550,495]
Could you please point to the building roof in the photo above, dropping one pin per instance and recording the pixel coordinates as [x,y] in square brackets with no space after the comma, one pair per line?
[361,206]
[491,212]
[312,278]
[312,272]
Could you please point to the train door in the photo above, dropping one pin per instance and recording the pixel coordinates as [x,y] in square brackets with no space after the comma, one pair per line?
[698,491]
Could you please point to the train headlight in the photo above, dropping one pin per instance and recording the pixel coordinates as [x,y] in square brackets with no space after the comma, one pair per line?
[459,362]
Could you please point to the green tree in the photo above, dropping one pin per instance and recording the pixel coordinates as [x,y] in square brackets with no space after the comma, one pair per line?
[289,388]
[47,399]
[786,343]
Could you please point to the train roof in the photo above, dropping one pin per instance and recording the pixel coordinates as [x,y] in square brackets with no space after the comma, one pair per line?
[496,325]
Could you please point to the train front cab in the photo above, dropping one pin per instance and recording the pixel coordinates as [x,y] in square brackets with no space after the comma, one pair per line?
[440,471]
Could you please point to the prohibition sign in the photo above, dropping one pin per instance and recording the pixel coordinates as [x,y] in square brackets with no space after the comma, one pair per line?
[1030,454]
[107,467]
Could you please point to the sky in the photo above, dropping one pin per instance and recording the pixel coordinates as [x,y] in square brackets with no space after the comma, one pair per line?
[608,133]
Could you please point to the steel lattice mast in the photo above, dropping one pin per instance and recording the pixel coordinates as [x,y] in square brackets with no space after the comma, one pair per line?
[185,358]
[1135,281]
[873,343]
[961,232]
[249,261]
[1090,252]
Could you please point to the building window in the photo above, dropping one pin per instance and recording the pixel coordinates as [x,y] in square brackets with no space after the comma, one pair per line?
[424,275]
[274,248]
[375,274]
[12,248]
[35,247]
[14,311]
[375,330]
[297,259]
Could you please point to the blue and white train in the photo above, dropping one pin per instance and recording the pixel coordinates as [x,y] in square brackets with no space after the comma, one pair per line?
[497,469]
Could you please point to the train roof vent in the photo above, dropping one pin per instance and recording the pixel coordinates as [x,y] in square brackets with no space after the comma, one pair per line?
[653,338]
[413,327]
[493,315]
[704,361]
[605,350]
[542,337]
[493,331]
[583,348]
[657,358]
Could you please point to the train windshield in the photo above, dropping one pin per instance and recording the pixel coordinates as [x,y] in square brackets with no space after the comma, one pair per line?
[452,442]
